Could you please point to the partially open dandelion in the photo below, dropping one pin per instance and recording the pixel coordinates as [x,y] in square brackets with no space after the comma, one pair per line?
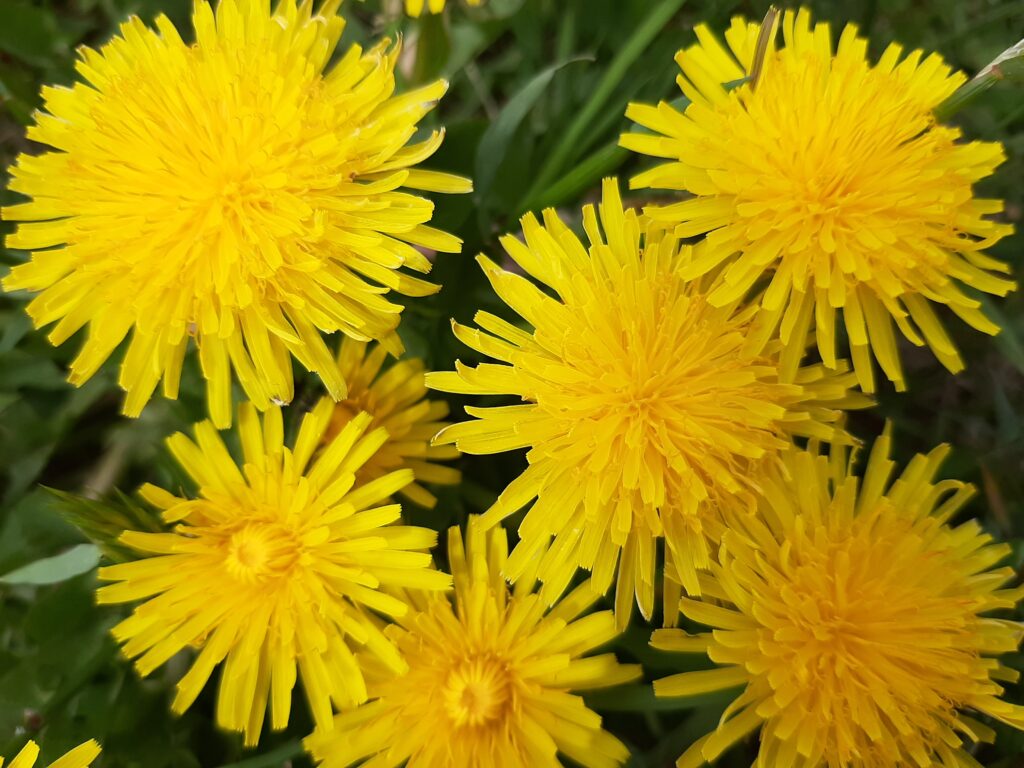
[490,678]
[853,615]
[271,570]
[417,7]
[645,415]
[79,757]
[231,191]
[397,401]
[832,181]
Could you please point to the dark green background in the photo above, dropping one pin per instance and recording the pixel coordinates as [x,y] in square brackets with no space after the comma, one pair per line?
[522,73]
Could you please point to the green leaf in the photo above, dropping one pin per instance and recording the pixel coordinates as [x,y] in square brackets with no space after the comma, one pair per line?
[30,530]
[572,141]
[581,178]
[275,758]
[433,47]
[1008,340]
[641,698]
[52,570]
[18,92]
[496,139]
[27,32]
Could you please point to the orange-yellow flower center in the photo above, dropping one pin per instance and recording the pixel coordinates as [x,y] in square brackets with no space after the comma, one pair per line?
[648,380]
[260,552]
[852,633]
[477,692]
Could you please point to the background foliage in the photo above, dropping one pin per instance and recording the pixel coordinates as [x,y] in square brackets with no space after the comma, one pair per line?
[538,89]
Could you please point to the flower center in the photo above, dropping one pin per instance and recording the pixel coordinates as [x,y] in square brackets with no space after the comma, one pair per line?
[261,551]
[477,692]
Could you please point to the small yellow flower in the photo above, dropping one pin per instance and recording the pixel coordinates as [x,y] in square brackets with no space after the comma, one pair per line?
[233,191]
[416,7]
[832,181]
[645,414]
[490,677]
[397,401]
[79,757]
[272,569]
[853,615]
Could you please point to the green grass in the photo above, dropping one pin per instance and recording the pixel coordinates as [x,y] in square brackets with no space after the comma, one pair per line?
[538,89]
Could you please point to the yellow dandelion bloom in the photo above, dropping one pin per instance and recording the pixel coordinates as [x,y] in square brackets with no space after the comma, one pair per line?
[231,191]
[79,757]
[271,569]
[490,677]
[397,401]
[645,415]
[417,7]
[832,178]
[852,613]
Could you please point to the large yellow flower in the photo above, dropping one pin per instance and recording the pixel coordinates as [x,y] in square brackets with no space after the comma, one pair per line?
[397,400]
[832,178]
[231,191]
[416,7]
[79,757]
[645,414]
[853,615]
[490,678]
[273,567]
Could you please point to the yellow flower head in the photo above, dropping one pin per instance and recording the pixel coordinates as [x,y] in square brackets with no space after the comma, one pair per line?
[489,679]
[852,614]
[396,399]
[272,568]
[231,191]
[832,178]
[645,414]
[417,7]
[79,757]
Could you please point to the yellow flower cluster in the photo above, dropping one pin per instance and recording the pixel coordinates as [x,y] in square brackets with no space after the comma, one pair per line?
[235,192]
[242,194]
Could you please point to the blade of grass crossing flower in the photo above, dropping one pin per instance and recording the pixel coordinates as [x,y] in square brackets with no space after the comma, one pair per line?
[766,37]
[1009,65]
[572,140]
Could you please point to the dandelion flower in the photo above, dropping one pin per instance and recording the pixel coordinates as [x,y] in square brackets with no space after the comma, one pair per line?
[231,191]
[852,613]
[490,678]
[79,757]
[645,415]
[833,181]
[396,399]
[417,7]
[272,569]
